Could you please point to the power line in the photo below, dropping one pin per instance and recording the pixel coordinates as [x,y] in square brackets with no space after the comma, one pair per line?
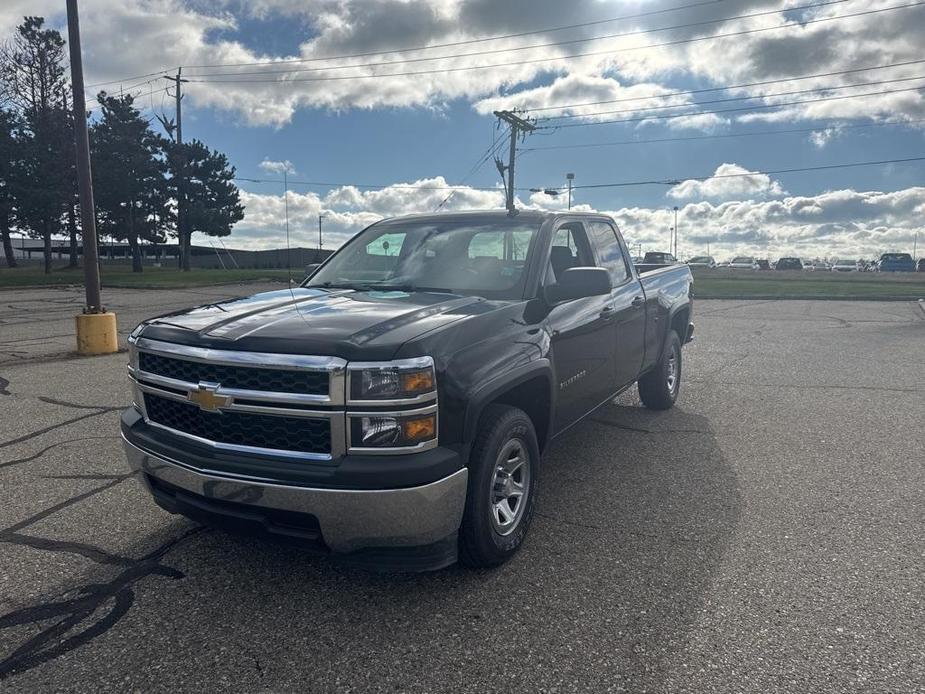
[611,51]
[722,136]
[618,184]
[706,90]
[494,51]
[493,149]
[772,172]
[467,42]
[128,79]
[729,110]
[737,98]
[330,184]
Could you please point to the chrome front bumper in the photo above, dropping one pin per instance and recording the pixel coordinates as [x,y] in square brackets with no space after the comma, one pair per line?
[350,520]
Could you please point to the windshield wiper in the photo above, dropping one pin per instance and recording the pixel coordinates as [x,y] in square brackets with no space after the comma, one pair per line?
[407,288]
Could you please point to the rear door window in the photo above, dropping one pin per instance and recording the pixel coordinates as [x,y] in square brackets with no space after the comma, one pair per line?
[609,253]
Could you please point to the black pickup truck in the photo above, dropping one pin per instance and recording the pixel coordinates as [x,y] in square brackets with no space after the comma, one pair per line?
[392,410]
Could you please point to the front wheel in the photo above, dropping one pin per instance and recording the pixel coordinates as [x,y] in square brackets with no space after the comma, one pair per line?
[503,471]
[659,388]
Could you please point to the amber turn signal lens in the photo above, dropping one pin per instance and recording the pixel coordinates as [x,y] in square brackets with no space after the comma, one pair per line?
[420,428]
[417,381]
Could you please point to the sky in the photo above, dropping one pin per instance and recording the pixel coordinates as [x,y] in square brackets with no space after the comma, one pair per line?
[376,108]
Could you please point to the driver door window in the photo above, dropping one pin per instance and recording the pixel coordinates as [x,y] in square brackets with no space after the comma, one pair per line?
[570,248]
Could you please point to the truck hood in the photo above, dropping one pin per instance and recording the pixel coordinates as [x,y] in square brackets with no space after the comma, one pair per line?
[367,325]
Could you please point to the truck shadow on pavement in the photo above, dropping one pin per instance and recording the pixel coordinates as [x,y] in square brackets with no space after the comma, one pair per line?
[635,511]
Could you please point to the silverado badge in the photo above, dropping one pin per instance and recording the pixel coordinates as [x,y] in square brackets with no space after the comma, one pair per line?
[207,398]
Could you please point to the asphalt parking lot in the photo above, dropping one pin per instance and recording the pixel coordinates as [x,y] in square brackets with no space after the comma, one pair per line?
[766,535]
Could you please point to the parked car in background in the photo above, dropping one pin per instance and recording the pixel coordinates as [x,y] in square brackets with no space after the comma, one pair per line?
[763,264]
[702,261]
[655,258]
[789,264]
[920,266]
[896,262]
[846,266]
[813,265]
[743,262]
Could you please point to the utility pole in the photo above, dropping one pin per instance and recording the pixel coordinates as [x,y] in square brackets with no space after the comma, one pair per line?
[675,254]
[518,127]
[183,239]
[320,217]
[570,177]
[96,329]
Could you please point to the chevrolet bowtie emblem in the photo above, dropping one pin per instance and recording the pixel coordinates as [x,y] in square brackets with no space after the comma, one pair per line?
[207,398]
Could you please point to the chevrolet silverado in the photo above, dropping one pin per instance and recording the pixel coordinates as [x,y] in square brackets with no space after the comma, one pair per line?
[392,409]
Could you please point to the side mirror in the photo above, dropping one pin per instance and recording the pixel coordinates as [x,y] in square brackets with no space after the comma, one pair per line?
[578,283]
[310,269]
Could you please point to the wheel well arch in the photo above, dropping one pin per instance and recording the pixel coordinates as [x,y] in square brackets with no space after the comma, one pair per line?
[679,322]
[531,392]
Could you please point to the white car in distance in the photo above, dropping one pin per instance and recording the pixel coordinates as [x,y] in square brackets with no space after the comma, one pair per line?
[743,262]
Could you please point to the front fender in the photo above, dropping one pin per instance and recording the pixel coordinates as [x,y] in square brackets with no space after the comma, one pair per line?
[489,392]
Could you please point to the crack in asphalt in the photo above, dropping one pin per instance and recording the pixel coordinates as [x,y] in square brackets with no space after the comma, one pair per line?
[53,640]
[67,422]
[641,430]
[820,386]
[34,456]
[118,594]
[76,405]
[61,505]
[91,552]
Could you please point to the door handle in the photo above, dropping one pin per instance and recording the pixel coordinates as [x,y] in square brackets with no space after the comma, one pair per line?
[638,301]
[607,313]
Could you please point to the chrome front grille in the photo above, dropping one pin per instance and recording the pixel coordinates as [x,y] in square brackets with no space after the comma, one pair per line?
[277,404]
[238,377]
[274,432]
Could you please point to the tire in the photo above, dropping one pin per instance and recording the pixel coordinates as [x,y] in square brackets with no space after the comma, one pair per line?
[486,539]
[659,388]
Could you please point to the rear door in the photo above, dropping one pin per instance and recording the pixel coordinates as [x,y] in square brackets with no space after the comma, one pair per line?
[629,323]
[582,334]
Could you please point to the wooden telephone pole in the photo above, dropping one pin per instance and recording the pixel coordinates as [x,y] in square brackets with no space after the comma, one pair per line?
[519,126]
[176,129]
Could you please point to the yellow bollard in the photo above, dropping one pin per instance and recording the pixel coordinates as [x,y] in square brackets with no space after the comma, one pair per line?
[96,333]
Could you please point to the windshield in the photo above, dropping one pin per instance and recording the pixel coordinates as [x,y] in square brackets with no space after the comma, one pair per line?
[896,256]
[742,259]
[463,256]
[699,259]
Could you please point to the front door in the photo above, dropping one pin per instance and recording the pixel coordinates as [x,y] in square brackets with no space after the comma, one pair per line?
[582,334]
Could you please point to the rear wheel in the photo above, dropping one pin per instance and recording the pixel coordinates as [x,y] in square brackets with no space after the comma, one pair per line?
[659,388]
[502,485]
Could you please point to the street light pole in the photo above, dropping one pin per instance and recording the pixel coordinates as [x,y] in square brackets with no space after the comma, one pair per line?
[570,177]
[96,329]
[675,254]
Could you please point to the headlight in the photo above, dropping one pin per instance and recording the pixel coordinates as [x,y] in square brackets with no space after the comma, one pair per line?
[404,380]
[393,430]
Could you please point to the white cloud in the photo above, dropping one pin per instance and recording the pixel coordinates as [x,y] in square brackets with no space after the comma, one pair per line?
[129,37]
[839,223]
[277,167]
[728,181]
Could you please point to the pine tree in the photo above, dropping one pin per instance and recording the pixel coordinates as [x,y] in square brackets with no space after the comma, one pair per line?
[129,168]
[211,201]
[32,72]
[8,155]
